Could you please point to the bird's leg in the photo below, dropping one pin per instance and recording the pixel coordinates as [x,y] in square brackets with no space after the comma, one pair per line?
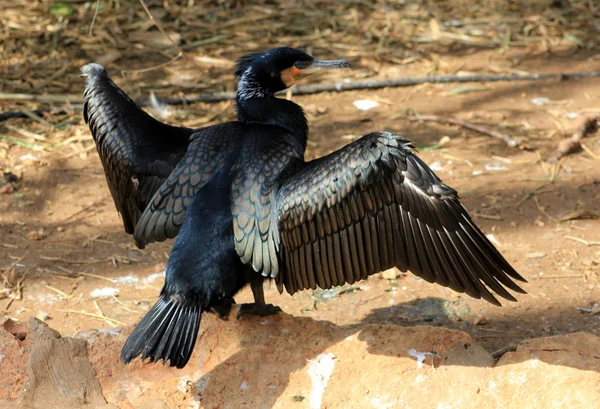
[223,309]
[258,307]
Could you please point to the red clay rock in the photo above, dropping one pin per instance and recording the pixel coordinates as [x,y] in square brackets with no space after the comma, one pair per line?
[281,362]
[13,359]
[290,362]
[59,374]
[554,372]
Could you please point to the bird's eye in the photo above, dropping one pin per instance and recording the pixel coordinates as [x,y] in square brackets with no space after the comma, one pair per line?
[298,64]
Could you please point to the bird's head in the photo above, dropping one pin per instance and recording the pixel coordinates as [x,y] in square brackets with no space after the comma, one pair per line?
[266,73]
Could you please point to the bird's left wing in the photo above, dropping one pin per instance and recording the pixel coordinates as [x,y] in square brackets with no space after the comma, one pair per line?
[373,205]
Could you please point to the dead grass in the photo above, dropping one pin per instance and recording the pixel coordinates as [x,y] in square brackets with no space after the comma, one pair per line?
[190,46]
[43,44]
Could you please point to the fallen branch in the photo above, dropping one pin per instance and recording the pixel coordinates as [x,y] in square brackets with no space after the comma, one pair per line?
[500,353]
[568,146]
[513,143]
[300,90]
[65,99]
[582,241]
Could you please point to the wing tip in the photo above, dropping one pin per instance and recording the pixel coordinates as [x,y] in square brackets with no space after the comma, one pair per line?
[140,242]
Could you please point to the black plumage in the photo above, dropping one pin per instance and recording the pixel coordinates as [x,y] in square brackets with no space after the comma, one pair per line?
[369,206]
[203,272]
[137,152]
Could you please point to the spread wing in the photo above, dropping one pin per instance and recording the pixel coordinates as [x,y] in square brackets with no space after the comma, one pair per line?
[209,150]
[137,152]
[373,205]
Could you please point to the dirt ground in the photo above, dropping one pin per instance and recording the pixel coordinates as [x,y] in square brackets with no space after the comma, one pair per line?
[65,258]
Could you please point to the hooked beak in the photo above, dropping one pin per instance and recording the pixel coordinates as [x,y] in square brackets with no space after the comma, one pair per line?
[319,65]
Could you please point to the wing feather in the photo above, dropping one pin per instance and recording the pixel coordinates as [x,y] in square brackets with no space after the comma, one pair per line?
[265,154]
[137,152]
[209,150]
[374,205]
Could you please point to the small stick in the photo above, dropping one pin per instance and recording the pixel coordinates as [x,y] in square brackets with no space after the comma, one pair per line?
[62,260]
[541,209]
[587,243]
[589,151]
[97,276]
[94,18]
[513,143]
[560,276]
[97,316]
[56,290]
[154,67]
[20,285]
[156,23]
[568,146]
[32,115]
[159,26]
[65,99]
[79,211]
[499,353]
[487,216]
[124,306]
[531,193]
[26,133]
[490,330]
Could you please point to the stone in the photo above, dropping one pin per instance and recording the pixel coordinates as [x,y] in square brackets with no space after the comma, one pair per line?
[59,374]
[284,361]
[390,274]
[561,371]
[154,403]
[13,359]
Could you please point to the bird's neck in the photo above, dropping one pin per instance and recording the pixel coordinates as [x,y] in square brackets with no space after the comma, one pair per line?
[268,110]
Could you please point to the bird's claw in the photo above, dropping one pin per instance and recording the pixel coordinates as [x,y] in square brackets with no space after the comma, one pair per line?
[262,310]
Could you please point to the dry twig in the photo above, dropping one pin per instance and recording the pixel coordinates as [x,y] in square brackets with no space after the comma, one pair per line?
[582,241]
[588,126]
[513,143]
[94,18]
[108,320]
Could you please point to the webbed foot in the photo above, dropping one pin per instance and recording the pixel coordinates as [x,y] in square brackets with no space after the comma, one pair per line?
[262,310]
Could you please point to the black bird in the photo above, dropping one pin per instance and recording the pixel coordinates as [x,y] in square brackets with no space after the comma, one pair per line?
[367,207]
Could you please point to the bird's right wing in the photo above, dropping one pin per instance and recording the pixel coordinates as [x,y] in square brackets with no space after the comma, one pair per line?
[373,205]
[137,152]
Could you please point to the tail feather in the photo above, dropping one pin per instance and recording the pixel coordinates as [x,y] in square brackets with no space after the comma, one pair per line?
[167,332]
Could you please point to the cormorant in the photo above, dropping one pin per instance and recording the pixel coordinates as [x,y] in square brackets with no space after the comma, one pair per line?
[249,207]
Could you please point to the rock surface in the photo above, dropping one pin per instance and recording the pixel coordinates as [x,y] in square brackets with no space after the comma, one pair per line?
[59,374]
[291,362]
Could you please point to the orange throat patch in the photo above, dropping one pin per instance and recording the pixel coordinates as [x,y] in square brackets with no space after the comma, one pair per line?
[287,76]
